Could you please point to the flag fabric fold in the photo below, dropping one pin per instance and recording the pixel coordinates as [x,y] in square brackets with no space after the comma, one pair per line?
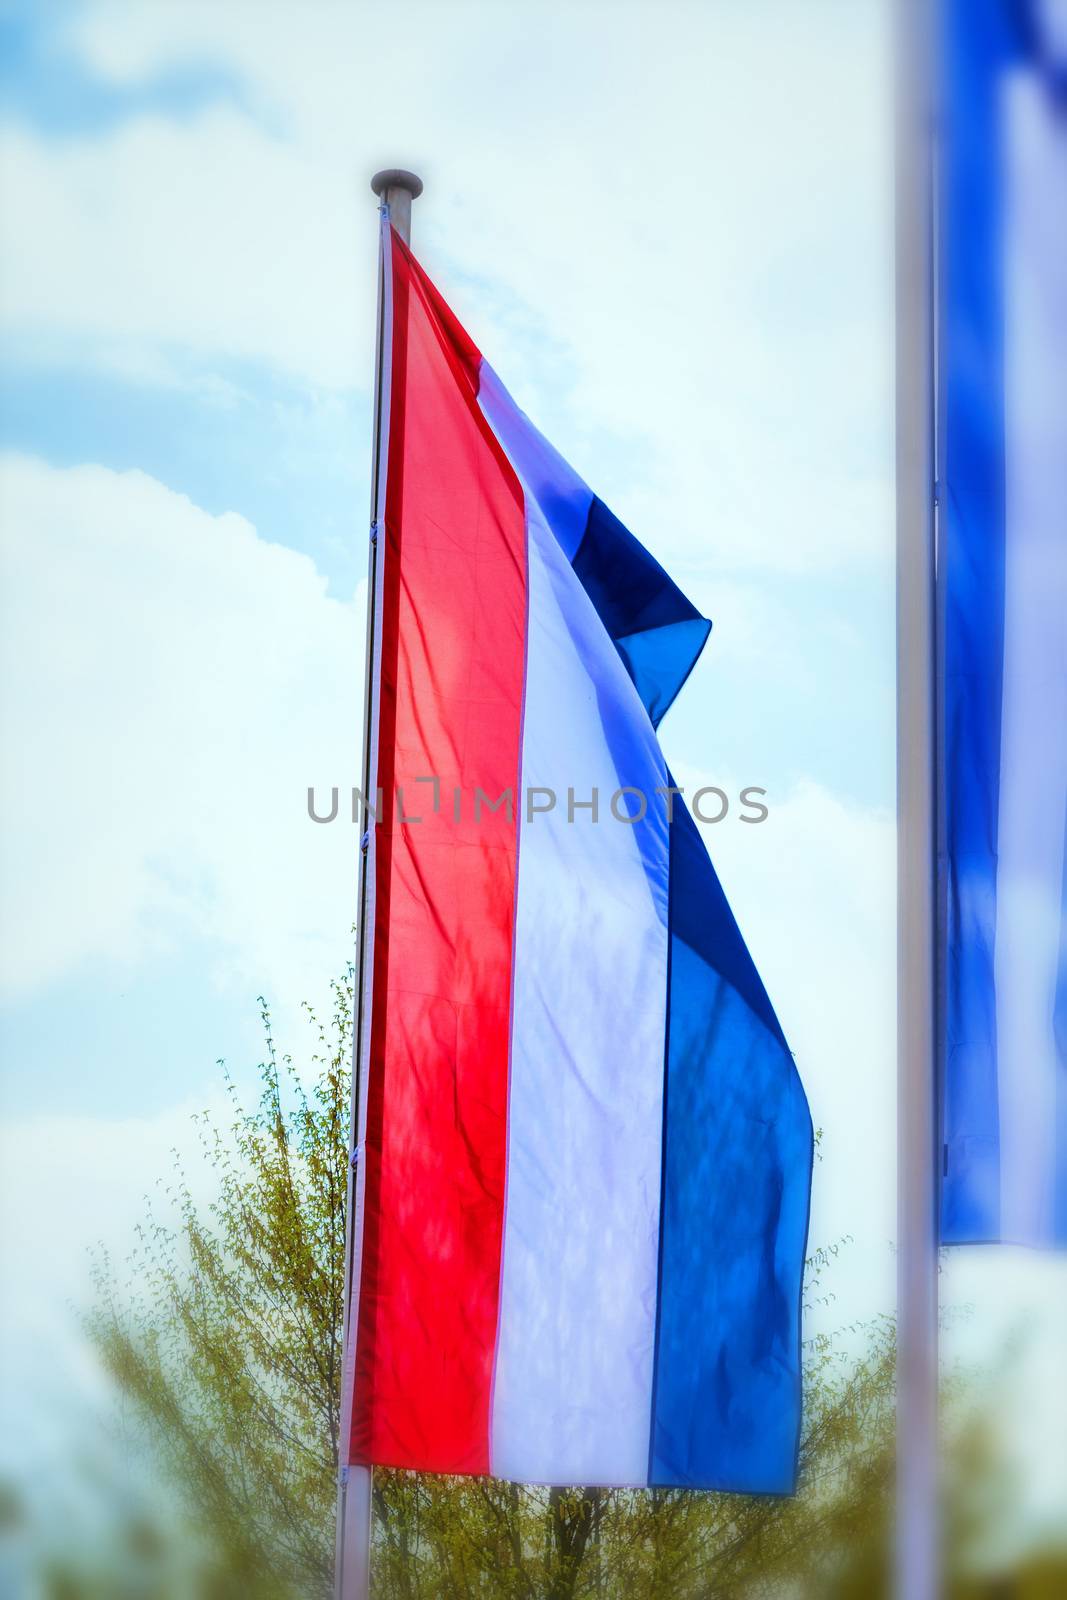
[586,1150]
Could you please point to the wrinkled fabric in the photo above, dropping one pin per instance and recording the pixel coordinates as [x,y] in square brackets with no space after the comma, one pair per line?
[588,1152]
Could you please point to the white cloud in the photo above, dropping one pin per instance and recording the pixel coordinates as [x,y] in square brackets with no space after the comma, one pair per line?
[173,684]
[672,240]
[210,237]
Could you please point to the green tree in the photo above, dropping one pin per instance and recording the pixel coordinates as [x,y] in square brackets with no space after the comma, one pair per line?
[227,1342]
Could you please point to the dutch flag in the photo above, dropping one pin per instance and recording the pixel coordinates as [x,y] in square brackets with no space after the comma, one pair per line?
[585,1152]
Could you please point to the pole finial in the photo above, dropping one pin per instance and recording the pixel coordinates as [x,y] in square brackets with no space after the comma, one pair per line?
[396,178]
[396,189]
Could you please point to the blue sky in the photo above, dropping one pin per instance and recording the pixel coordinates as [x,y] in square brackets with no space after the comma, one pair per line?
[186,303]
[673,243]
[276,430]
[48,84]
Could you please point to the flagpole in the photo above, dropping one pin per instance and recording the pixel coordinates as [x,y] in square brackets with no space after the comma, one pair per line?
[918,1137]
[395,189]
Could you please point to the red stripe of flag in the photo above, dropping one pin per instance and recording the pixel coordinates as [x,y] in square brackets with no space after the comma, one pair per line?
[452,637]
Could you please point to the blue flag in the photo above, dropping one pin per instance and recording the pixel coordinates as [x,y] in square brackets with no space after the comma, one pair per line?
[1004,526]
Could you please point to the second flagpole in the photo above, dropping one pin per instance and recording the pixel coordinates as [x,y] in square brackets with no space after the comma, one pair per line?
[918,1136]
[396,189]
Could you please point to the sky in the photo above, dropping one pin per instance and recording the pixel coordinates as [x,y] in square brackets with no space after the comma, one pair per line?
[669,228]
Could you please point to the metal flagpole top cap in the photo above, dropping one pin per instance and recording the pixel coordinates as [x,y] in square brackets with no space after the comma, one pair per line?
[396,178]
